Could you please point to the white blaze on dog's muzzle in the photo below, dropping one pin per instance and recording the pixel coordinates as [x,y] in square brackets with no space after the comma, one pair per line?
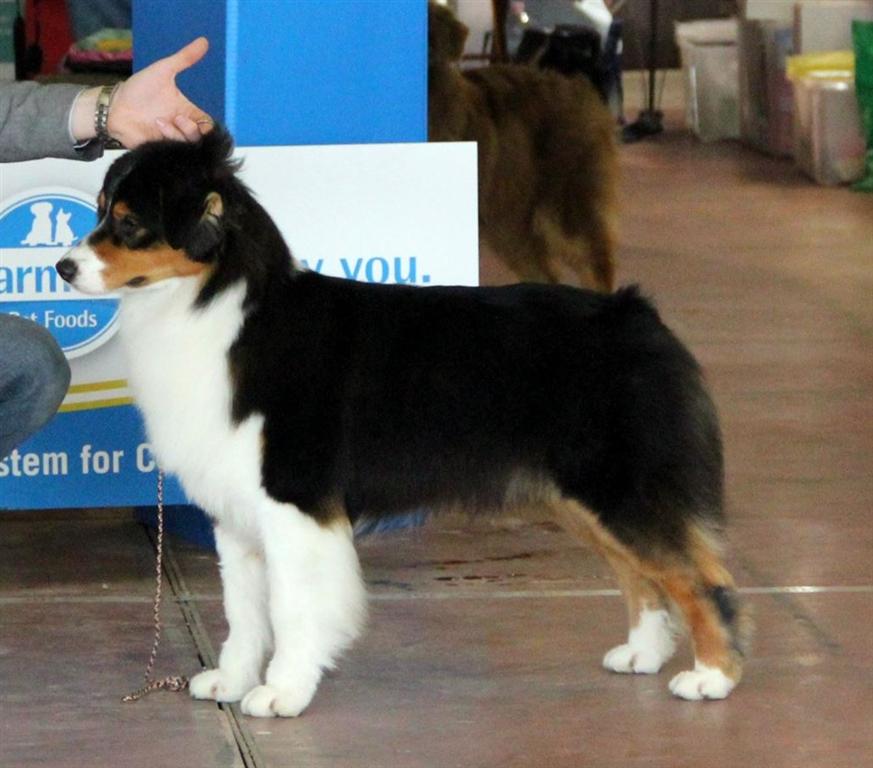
[82,268]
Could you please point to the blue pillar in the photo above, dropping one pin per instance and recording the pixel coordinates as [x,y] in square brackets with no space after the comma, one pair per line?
[299,71]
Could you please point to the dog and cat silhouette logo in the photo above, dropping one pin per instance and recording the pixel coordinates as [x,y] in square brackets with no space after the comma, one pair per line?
[49,220]
[46,231]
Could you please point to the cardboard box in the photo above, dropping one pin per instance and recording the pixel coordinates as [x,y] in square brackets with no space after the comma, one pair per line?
[826,25]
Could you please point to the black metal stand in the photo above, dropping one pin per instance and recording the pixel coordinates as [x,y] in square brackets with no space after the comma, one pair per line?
[650,121]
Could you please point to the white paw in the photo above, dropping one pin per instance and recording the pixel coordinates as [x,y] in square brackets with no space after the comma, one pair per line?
[268,701]
[650,644]
[702,682]
[220,685]
[625,658]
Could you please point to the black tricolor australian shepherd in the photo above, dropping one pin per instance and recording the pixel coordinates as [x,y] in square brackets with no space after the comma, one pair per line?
[292,405]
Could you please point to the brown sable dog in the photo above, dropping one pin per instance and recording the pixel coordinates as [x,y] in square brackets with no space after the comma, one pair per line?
[547,159]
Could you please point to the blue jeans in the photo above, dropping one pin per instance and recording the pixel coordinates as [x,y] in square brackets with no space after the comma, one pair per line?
[34,377]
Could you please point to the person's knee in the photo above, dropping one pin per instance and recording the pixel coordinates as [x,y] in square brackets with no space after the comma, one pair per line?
[36,373]
[49,371]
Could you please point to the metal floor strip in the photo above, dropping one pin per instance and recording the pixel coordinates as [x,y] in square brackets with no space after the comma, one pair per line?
[196,597]
[245,740]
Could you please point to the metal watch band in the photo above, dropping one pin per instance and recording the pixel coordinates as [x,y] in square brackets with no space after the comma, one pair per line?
[101,117]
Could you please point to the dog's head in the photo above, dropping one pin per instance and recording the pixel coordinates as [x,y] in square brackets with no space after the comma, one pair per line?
[161,214]
[445,35]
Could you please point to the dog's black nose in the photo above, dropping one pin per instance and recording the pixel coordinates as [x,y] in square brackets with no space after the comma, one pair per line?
[66,269]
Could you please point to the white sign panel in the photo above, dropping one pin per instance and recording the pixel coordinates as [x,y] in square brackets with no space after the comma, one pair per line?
[402,213]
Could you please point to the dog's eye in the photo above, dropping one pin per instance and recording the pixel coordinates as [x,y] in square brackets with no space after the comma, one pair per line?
[127,225]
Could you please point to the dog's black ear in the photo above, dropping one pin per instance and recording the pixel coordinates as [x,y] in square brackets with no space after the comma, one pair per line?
[200,239]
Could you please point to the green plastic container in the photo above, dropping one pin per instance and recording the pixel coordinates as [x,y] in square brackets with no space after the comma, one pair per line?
[862,38]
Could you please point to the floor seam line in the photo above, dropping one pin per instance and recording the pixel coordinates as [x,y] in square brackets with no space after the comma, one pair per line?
[191,598]
[245,740]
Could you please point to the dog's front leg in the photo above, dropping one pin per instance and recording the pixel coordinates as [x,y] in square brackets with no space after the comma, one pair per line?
[243,576]
[317,605]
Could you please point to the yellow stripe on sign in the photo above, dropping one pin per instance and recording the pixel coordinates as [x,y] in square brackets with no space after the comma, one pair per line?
[97,386]
[94,404]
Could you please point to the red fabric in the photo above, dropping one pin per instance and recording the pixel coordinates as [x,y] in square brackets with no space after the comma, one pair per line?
[55,34]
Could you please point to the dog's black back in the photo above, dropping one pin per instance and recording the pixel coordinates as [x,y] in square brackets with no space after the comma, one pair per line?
[447,396]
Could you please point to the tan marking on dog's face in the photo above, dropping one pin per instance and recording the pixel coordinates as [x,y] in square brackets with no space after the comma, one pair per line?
[135,268]
[120,210]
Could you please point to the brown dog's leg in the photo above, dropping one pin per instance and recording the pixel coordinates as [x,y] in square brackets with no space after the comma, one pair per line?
[583,259]
[601,250]
[526,256]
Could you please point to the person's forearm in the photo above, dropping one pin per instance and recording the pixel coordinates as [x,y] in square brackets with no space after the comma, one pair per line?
[35,121]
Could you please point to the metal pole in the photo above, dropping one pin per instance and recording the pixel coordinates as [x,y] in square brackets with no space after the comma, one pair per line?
[653,51]
[649,122]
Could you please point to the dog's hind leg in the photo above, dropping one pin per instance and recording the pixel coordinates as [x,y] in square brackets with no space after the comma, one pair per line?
[244,580]
[316,603]
[692,580]
[588,261]
[526,255]
[601,251]
[580,254]
[653,628]
[704,591]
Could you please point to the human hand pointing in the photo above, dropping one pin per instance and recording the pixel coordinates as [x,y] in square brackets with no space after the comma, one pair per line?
[148,105]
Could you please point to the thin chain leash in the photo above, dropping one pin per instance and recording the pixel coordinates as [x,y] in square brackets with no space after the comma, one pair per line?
[171,682]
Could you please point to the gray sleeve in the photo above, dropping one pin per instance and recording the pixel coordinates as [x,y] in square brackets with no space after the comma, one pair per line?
[34,123]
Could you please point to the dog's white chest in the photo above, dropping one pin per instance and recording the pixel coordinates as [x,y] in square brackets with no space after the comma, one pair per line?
[179,373]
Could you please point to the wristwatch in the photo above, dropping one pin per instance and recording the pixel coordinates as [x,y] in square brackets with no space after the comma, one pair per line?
[101,117]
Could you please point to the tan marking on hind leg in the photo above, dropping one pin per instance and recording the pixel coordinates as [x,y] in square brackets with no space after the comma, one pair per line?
[652,631]
[688,582]
[717,669]
[718,658]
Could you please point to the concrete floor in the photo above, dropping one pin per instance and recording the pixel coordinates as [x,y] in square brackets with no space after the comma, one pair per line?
[485,640]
